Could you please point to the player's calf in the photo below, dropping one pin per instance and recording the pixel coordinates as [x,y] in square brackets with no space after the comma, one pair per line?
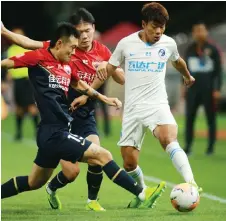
[70,170]
[14,186]
[180,161]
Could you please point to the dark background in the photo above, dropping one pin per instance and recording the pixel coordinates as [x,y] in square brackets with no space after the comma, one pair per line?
[39,18]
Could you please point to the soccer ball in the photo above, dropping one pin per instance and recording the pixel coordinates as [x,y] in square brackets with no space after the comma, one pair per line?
[184,197]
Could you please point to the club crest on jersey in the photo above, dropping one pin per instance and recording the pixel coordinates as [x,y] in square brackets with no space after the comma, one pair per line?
[85,61]
[67,69]
[162,53]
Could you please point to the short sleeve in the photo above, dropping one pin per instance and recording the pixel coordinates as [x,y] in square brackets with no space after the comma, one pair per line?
[174,52]
[107,53]
[74,72]
[117,57]
[46,44]
[28,59]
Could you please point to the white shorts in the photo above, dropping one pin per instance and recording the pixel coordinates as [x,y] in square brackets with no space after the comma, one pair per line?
[138,119]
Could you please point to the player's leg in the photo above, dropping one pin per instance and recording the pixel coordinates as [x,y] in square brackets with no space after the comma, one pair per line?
[69,170]
[210,111]
[130,156]
[68,174]
[131,139]
[86,127]
[76,148]
[100,156]
[94,179]
[19,184]
[166,132]
[191,106]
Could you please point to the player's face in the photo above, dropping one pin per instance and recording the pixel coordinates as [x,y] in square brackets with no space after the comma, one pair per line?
[199,32]
[67,48]
[153,31]
[87,33]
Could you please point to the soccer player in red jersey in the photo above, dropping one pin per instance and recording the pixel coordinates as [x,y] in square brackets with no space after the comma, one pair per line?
[51,72]
[89,55]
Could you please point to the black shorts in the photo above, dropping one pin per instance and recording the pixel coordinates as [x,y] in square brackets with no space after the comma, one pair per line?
[84,126]
[23,93]
[56,143]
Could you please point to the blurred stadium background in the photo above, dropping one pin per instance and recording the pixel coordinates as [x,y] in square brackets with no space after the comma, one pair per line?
[114,20]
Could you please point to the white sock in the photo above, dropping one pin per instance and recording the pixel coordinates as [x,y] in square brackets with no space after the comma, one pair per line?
[49,191]
[138,176]
[180,161]
[88,200]
[142,195]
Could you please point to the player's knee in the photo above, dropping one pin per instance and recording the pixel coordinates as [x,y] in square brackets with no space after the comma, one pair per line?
[106,157]
[72,173]
[129,165]
[166,140]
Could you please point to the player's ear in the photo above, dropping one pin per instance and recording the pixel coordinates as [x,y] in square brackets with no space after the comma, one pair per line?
[143,24]
[94,27]
[59,43]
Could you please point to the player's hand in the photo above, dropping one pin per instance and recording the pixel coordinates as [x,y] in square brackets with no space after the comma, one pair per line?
[77,102]
[112,101]
[102,71]
[189,81]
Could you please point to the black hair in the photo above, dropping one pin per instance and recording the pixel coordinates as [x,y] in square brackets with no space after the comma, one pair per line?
[64,30]
[155,12]
[199,23]
[81,15]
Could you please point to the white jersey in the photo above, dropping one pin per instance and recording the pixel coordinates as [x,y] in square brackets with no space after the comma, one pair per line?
[145,68]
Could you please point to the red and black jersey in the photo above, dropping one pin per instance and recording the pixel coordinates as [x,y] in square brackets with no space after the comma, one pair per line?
[86,63]
[50,80]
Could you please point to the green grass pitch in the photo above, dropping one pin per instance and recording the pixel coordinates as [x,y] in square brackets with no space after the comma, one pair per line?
[210,173]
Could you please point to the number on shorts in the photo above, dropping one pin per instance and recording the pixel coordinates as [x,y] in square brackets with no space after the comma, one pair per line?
[75,137]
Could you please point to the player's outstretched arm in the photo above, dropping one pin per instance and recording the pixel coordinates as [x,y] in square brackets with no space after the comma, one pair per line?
[181,66]
[20,40]
[7,63]
[95,85]
[85,89]
[83,98]
[117,74]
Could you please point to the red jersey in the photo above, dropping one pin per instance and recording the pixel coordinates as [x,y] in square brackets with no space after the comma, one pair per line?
[86,63]
[50,81]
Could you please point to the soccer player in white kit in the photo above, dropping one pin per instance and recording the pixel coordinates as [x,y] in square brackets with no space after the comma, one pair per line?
[144,55]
